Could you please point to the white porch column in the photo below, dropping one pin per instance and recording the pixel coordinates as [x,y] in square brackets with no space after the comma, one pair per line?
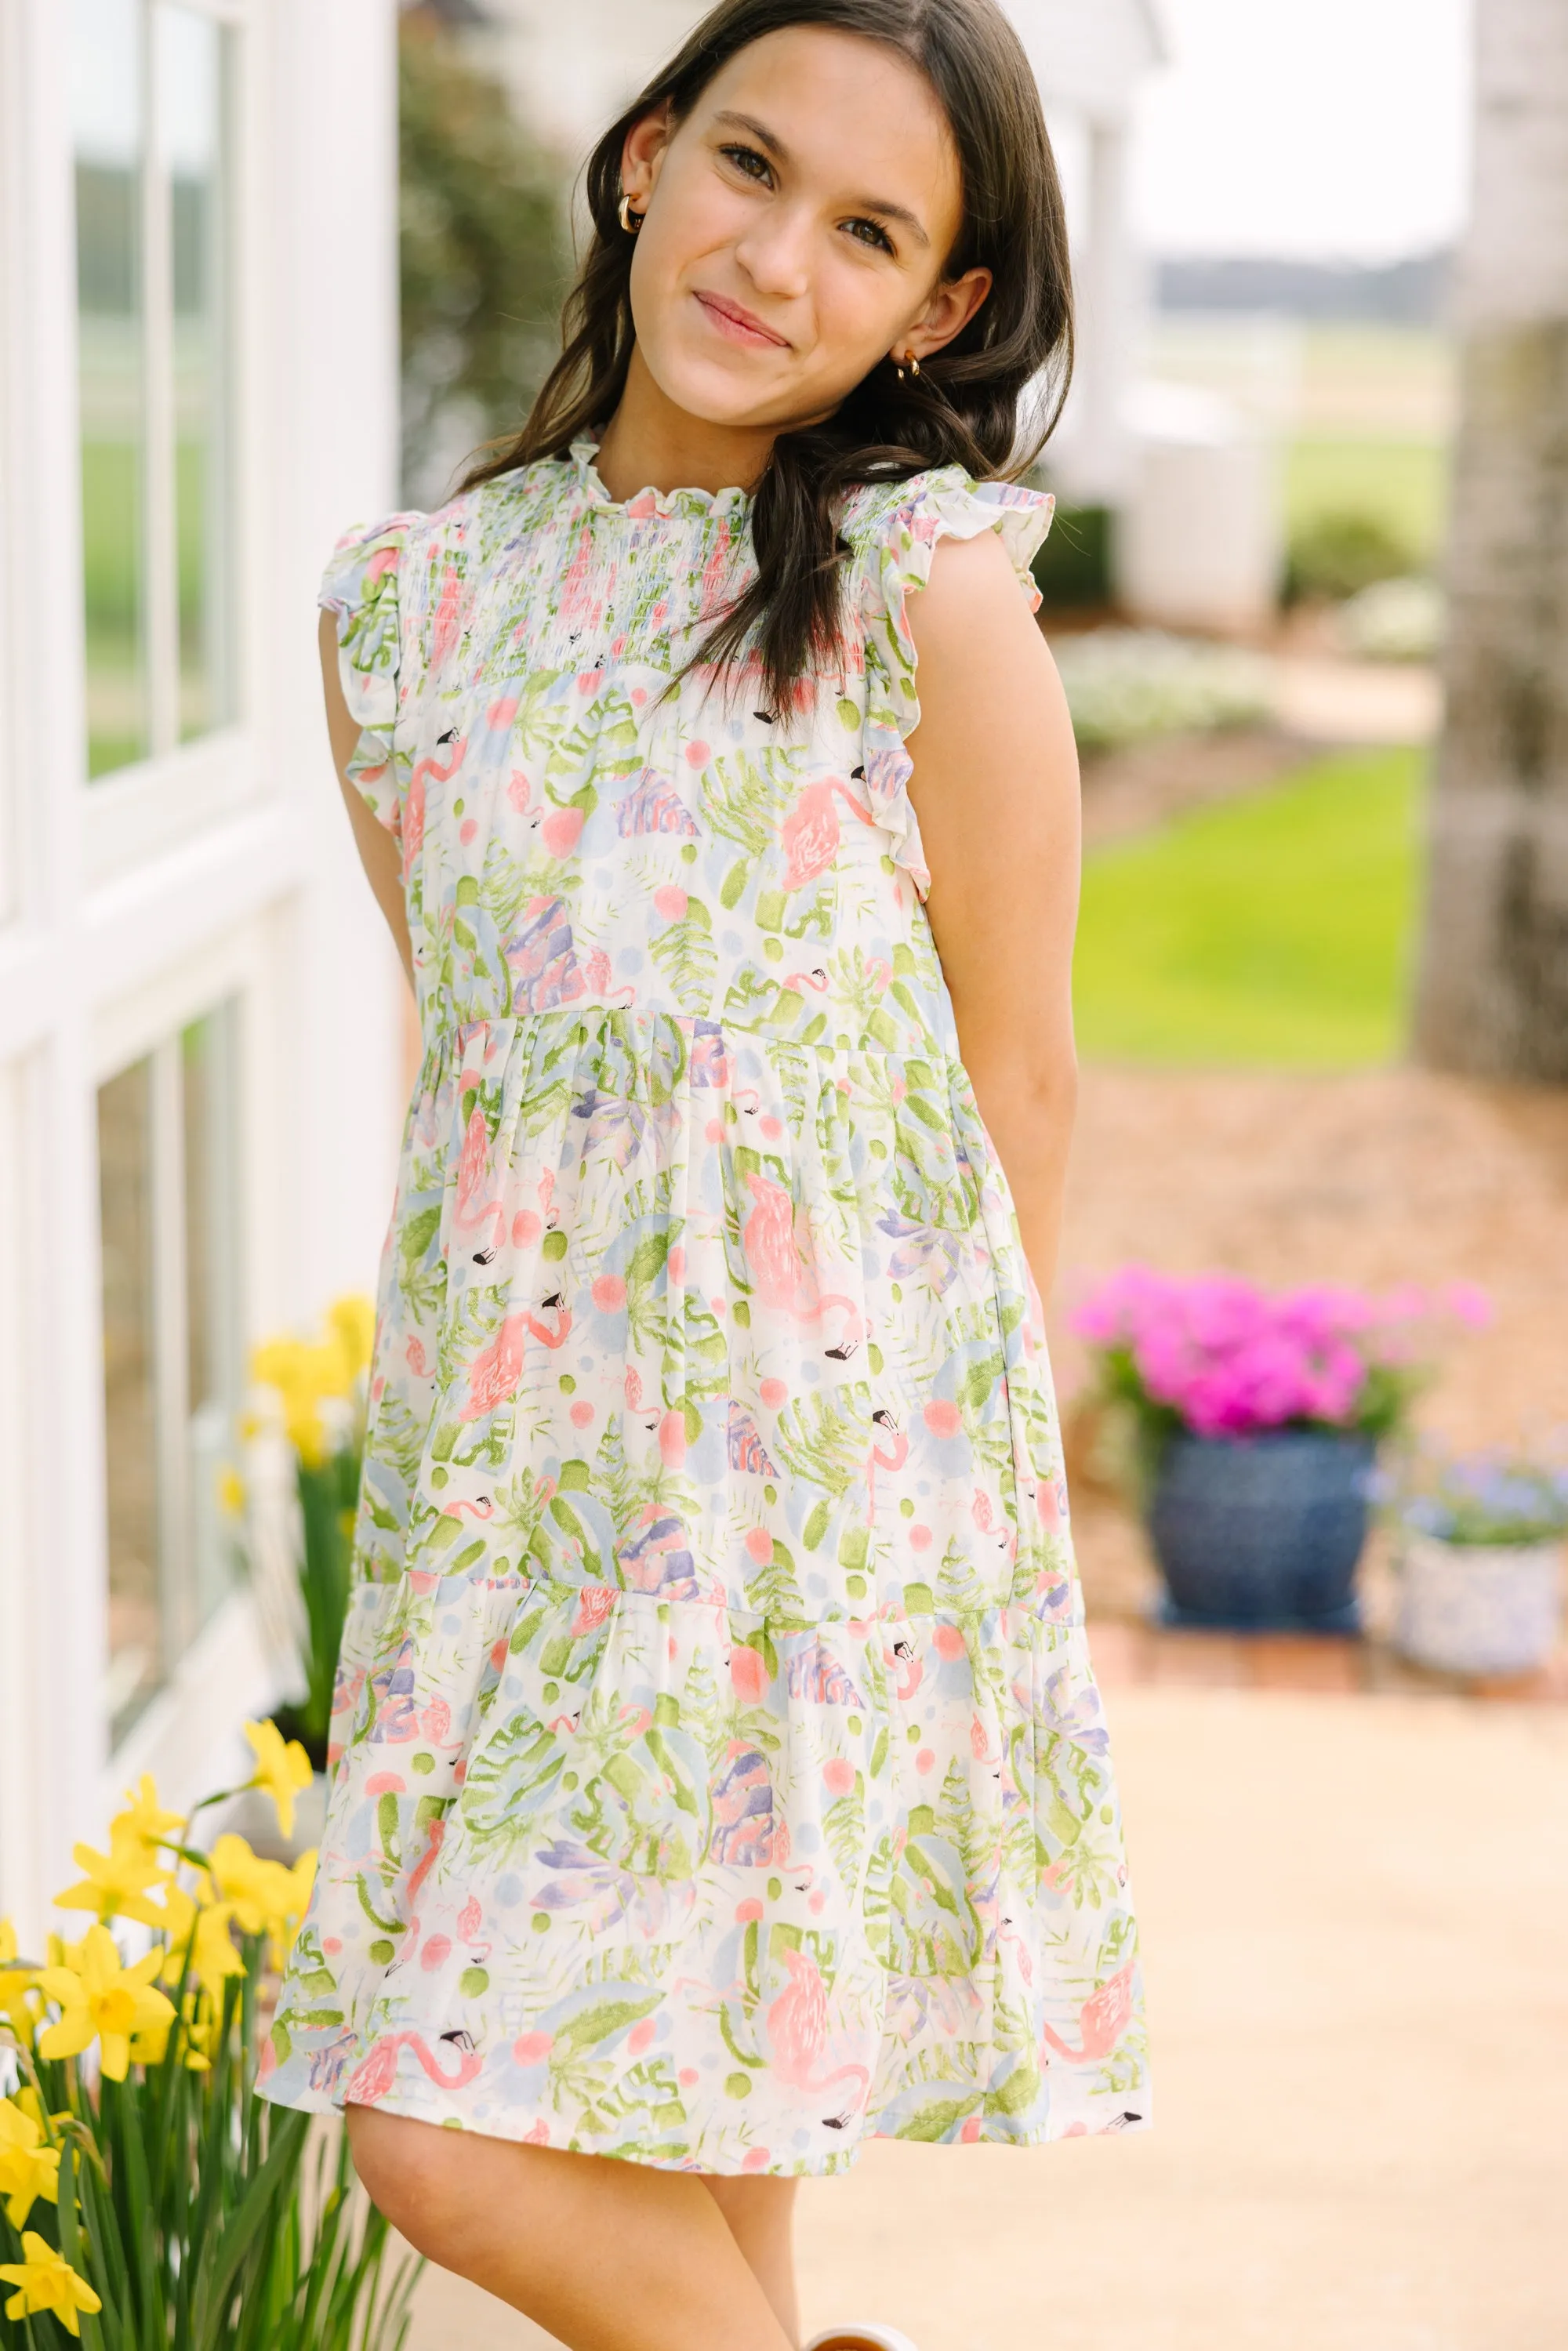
[1095,459]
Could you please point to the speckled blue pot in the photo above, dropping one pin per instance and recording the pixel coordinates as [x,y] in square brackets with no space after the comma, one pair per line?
[1263,1534]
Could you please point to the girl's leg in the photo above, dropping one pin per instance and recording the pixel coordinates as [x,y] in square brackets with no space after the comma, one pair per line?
[761,2212]
[603,2254]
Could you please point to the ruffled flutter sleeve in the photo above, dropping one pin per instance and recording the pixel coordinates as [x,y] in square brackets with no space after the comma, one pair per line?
[896,530]
[361,585]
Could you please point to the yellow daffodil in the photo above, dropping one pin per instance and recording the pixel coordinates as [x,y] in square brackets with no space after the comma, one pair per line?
[231,1492]
[200,2019]
[143,1821]
[301,1374]
[179,1918]
[203,1930]
[28,2168]
[117,1882]
[16,1983]
[101,2001]
[352,1321]
[266,1898]
[282,1768]
[216,1955]
[32,2106]
[46,2280]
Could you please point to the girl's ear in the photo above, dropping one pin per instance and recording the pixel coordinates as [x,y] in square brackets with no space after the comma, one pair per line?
[949,310]
[642,153]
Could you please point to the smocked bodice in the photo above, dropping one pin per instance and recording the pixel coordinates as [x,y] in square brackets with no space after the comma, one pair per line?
[574,835]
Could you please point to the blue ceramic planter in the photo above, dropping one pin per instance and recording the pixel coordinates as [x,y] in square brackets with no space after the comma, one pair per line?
[1263,1534]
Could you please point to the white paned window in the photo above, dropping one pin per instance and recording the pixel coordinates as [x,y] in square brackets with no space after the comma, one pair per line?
[167,1190]
[152,109]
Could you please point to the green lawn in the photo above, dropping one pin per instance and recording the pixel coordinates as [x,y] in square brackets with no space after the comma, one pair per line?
[1273,932]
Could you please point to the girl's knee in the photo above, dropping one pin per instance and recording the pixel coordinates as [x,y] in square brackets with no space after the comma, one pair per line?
[407,2168]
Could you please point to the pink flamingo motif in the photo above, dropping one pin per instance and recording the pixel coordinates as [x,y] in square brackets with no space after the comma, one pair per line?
[877,1460]
[1007,1933]
[422,1868]
[472,1212]
[497,1369]
[798,2028]
[810,834]
[376,2074]
[711,594]
[780,1276]
[480,1507]
[414,807]
[901,1656]
[1005,1538]
[577,602]
[1101,2021]
[443,627]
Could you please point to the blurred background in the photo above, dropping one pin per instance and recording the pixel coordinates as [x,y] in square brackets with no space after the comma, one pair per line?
[267,269]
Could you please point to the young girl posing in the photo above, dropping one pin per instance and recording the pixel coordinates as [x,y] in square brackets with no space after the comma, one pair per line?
[721,1778]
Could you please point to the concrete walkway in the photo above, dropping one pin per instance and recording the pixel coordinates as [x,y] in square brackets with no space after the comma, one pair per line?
[1355,1914]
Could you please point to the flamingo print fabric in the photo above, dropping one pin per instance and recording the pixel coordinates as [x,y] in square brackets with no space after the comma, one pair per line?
[719,1774]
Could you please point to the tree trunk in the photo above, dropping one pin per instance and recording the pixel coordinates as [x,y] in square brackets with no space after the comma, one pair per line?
[1493,988]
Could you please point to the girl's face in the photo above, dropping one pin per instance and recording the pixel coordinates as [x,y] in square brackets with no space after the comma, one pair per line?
[794,228]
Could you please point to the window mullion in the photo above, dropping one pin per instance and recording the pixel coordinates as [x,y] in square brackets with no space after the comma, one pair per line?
[158,360]
[170,1353]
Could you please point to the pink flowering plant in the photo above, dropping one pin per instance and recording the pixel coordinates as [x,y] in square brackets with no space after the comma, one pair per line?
[1217,1356]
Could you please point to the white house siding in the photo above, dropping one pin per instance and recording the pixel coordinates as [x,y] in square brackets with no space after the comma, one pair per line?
[218,871]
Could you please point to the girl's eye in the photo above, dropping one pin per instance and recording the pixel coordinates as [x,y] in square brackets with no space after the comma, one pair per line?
[743,159]
[878,236]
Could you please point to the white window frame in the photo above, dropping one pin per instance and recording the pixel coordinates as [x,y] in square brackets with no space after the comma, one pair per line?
[135,903]
[227,1662]
[182,787]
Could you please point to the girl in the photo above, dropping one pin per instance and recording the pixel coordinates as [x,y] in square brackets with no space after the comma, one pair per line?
[721,1780]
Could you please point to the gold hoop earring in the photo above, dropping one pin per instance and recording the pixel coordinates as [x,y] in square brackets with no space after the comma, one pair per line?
[913,364]
[630,221]
[898,365]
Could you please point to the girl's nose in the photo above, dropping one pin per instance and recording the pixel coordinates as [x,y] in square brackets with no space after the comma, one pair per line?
[775,253]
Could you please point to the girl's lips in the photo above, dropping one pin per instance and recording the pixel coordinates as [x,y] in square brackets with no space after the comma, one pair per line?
[740,324]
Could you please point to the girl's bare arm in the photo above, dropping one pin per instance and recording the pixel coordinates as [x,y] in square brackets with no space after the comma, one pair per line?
[996,789]
[380,853]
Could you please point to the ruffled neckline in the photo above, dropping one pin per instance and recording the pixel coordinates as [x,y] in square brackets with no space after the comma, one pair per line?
[648,503]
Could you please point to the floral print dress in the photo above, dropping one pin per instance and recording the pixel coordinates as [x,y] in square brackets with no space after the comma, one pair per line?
[719,1774]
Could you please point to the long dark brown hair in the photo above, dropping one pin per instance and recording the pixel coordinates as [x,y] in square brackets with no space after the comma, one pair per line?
[965,406]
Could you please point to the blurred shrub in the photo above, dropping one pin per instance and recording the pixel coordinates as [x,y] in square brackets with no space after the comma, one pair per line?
[1124,685]
[1337,554]
[483,257]
[1393,620]
[1073,567]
